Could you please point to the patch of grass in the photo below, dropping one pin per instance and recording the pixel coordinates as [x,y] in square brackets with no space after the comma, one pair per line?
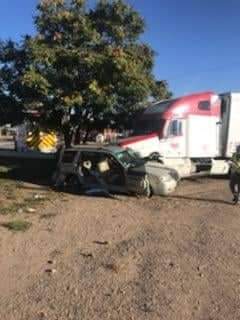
[12,209]
[17,225]
[31,202]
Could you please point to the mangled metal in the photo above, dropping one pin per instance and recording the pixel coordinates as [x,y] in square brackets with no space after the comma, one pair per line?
[94,170]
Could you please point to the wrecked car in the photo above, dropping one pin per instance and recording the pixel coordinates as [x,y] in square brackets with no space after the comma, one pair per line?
[114,170]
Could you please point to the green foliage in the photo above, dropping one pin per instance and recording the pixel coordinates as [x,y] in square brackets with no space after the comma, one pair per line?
[17,225]
[161,90]
[88,59]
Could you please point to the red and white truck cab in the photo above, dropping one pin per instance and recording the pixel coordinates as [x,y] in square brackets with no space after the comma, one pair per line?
[193,134]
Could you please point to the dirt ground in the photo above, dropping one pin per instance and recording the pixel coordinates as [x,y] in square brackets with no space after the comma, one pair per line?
[128,259]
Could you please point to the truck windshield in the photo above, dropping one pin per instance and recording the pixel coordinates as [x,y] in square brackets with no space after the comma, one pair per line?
[129,159]
[148,125]
[151,120]
[159,107]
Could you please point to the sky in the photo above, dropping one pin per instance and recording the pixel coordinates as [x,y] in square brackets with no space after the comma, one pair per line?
[196,41]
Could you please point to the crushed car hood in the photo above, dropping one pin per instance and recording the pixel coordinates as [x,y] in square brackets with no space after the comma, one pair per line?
[156,169]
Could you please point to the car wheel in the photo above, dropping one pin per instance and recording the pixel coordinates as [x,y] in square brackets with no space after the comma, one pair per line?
[149,192]
[149,189]
[54,178]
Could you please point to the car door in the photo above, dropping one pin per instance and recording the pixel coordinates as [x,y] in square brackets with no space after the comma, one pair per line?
[89,165]
[101,168]
[112,172]
[137,181]
[69,161]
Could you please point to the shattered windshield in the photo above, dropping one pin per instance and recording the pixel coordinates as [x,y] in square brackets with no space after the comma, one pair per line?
[151,120]
[129,159]
[148,125]
[160,107]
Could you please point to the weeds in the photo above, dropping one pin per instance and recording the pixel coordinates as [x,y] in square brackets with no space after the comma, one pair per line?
[12,209]
[17,225]
[15,207]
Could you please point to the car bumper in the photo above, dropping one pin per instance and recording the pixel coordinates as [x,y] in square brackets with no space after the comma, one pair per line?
[166,187]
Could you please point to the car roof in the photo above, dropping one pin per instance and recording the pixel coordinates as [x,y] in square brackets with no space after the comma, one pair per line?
[96,148]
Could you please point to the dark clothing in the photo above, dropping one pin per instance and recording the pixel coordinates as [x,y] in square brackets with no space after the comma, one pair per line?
[235,183]
[236,163]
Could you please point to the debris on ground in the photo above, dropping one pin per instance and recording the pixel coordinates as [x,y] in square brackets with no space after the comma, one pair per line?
[86,255]
[75,291]
[30,210]
[38,197]
[103,243]
[112,267]
[51,271]
[42,315]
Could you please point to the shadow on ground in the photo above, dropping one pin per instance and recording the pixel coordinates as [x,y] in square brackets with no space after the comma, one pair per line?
[39,176]
[42,179]
[193,198]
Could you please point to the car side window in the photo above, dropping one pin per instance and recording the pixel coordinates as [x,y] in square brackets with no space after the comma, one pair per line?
[90,158]
[175,128]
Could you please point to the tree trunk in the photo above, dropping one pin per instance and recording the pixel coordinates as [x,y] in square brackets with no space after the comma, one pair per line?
[68,135]
[77,138]
[68,139]
[86,135]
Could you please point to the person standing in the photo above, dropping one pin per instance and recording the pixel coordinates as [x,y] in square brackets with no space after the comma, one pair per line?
[20,138]
[235,175]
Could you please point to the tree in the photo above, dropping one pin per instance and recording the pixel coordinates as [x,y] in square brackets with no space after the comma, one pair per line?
[82,65]
[161,90]
[11,62]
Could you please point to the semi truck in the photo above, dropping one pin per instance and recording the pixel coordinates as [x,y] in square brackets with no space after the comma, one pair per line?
[194,134]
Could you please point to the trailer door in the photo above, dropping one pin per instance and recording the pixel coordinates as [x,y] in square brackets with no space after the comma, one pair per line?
[202,136]
[224,124]
[233,121]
